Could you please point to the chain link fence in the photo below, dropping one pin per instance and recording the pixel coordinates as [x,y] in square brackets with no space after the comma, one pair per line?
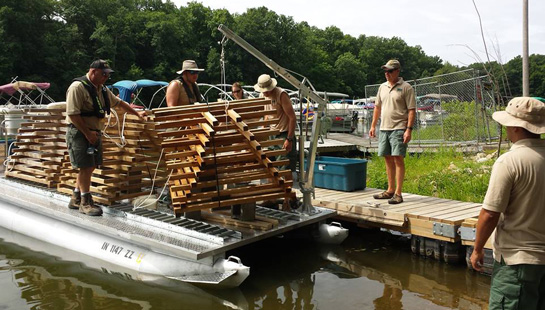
[453,107]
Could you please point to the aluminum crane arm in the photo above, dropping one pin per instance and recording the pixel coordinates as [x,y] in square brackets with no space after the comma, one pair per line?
[307,187]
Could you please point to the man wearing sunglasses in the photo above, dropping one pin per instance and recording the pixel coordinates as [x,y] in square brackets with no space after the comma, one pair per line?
[184,90]
[396,106]
[88,101]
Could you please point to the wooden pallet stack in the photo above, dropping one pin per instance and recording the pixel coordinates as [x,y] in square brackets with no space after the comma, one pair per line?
[40,147]
[218,154]
[128,167]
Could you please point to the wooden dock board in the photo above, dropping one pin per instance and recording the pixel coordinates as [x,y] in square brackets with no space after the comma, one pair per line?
[416,215]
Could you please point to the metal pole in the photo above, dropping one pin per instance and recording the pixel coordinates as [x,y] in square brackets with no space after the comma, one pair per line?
[525,62]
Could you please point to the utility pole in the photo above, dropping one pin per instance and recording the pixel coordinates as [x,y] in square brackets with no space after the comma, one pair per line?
[525,61]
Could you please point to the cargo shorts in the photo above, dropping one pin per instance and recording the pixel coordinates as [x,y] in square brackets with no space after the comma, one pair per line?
[77,149]
[517,287]
[390,143]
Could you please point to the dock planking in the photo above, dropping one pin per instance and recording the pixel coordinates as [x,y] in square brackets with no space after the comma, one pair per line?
[417,215]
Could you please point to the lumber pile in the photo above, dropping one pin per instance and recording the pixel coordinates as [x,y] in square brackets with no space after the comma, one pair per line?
[218,155]
[130,154]
[40,147]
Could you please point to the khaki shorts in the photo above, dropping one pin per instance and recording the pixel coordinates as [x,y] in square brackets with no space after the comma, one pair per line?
[77,149]
[517,287]
[390,143]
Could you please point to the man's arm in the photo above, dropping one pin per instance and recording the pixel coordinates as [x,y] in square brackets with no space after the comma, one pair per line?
[290,113]
[488,220]
[410,122]
[90,135]
[173,92]
[376,115]
[127,108]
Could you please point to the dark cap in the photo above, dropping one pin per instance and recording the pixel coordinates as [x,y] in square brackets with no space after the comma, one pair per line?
[101,64]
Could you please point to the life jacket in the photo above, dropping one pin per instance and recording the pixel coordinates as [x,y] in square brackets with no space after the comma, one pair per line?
[193,96]
[99,110]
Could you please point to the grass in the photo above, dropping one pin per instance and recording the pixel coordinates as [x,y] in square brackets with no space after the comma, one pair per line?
[445,174]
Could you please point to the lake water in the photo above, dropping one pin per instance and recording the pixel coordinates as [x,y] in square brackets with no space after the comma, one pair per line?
[370,270]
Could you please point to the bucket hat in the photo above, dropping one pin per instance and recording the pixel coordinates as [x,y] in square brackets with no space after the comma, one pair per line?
[265,83]
[525,112]
[189,65]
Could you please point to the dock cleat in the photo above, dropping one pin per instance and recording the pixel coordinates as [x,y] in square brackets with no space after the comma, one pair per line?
[88,207]
[75,201]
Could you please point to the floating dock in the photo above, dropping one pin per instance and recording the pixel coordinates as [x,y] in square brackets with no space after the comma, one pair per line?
[444,222]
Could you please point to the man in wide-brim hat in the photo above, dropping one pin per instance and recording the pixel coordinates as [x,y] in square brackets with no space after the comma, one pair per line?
[184,90]
[514,205]
[281,103]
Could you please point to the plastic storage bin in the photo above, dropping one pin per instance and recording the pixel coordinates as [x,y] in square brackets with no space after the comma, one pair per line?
[344,174]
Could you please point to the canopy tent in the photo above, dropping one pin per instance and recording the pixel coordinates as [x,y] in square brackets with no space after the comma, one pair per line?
[126,88]
[19,92]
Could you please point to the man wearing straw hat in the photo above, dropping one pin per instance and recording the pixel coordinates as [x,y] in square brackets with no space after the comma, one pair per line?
[184,90]
[280,101]
[514,205]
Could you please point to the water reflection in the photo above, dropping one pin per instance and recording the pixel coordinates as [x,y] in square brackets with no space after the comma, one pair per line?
[369,271]
[42,281]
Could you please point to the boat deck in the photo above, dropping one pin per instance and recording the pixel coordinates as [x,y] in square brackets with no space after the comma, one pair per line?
[430,217]
[161,231]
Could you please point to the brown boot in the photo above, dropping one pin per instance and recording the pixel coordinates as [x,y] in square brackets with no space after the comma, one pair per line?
[75,201]
[88,207]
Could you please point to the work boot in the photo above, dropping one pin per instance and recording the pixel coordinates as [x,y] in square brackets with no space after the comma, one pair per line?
[75,201]
[88,207]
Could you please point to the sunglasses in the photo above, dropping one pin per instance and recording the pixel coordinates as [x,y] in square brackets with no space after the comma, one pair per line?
[193,72]
[390,71]
[237,91]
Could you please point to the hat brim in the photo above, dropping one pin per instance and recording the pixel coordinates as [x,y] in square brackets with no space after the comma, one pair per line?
[108,70]
[182,71]
[508,120]
[262,89]
[388,67]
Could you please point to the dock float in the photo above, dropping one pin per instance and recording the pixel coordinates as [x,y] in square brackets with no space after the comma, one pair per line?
[438,226]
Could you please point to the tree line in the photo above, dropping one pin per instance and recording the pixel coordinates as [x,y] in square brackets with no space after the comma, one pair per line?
[56,40]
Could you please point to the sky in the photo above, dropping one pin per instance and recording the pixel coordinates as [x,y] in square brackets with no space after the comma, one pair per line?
[445,28]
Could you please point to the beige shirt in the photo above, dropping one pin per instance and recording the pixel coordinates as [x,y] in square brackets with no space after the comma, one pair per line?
[283,119]
[395,103]
[517,190]
[78,100]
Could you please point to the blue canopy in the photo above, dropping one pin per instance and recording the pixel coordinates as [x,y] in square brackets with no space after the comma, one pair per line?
[127,88]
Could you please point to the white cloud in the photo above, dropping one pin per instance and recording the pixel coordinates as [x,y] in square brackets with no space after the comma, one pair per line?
[441,27]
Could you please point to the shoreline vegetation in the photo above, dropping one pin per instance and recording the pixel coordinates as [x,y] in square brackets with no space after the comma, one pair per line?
[445,173]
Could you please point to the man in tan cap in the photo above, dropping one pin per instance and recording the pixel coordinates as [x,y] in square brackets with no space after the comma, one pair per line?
[514,205]
[184,90]
[280,101]
[396,106]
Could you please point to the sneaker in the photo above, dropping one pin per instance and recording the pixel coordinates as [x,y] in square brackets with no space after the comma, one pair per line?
[395,200]
[75,201]
[383,195]
[88,207]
